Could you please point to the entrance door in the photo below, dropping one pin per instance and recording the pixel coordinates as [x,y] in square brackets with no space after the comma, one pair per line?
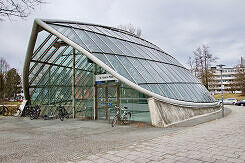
[107,97]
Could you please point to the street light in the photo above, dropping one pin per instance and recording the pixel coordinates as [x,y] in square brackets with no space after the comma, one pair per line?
[222,95]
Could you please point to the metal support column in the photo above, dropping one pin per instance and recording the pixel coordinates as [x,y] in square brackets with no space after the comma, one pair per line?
[118,95]
[49,86]
[95,90]
[222,94]
[73,82]
[106,103]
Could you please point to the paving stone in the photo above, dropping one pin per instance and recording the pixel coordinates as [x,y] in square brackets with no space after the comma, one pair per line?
[217,141]
[207,159]
[103,160]
[131,157]
[93,157]
[155,158]
[85,161]
[117,159]
[168,161]
[141,160]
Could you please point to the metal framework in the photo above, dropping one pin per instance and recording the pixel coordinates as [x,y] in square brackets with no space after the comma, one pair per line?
[55,73]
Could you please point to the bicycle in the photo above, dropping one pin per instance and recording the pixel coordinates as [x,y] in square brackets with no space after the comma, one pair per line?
[27,110]
[35,112]
[4,110]
[126,115]
[62,113]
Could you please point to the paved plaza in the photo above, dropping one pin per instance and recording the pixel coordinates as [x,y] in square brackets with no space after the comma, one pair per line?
[25,140]
[222,140]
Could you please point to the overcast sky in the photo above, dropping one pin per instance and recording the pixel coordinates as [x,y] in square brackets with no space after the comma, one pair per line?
[178,27]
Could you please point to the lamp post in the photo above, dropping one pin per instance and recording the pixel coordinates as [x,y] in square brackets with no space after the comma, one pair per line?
[222,95]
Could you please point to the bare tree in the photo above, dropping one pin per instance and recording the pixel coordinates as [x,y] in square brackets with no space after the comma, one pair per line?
[2,85]
[17,8]
[3,66]
[202,62]
[190,63]
[131,28]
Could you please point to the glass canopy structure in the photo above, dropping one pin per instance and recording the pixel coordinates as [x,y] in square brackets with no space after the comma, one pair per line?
[64,58]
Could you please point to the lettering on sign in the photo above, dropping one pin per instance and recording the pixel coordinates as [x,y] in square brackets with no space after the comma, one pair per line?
[104,77]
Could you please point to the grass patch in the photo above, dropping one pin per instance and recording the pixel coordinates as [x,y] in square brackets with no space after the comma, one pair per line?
[238,96]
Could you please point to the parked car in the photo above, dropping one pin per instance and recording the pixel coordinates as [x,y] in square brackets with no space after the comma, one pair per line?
[230,101]
[241,102]
[219,100]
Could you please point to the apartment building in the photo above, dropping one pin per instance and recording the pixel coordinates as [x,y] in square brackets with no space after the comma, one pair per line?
[228,77]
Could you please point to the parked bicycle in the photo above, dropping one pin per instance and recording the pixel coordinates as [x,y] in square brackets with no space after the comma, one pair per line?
[4,110]
[62,113]
[124,118]
[27,110]
[35,112]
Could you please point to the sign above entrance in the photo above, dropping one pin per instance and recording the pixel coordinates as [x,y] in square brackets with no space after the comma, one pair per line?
[104,77]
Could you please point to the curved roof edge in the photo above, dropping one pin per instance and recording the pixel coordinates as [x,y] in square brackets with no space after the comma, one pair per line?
[100,63]
[92,24]
[26,66]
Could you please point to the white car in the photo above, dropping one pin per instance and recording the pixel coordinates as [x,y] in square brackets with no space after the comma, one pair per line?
[230,101]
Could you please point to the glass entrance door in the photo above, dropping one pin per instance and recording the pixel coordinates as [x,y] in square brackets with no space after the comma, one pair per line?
[106,100]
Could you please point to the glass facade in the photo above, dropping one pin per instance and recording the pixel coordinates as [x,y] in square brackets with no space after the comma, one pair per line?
[137,60]
[141,62]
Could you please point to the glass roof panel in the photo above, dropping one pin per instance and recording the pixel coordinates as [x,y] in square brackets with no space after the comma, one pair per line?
[119,67]
[122,47]
[141,50]
[86,27]
[148,53]
[106,31]
[133,50]
[192,92]
[155,88]
[95,29]
[146,86]
[185,92]
[155,55]
[99,42]
[109,43]
[167,71]
[167,91]
[138,65]
[163,74]
[131,69]
[87,41]
[160,55]
[103,59]
[43,47]
[155,73]
[176,91]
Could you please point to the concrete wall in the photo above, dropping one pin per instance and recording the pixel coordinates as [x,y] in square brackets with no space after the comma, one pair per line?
[164,114]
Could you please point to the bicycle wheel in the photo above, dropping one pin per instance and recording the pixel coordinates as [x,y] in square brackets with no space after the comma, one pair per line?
[114,121]
[125,118]
[32,116]
[61,117]
[5,111]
